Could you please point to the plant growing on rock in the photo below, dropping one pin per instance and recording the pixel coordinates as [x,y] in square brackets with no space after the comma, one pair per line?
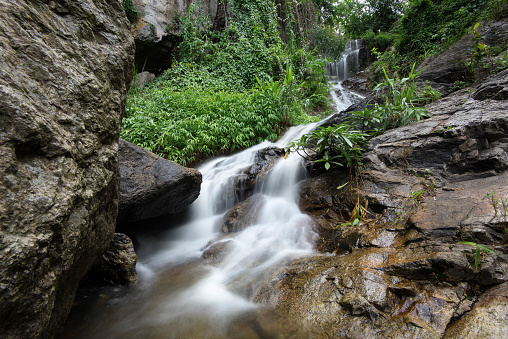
[477,53]
[130,10]
[499,203]
[401,101]
[478,253]
[337,145]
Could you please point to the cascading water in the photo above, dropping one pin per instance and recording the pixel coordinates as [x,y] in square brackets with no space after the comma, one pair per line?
[348,64]
[179,295]
[339,71]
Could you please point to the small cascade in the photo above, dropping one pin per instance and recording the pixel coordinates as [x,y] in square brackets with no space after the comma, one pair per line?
[181,295]
[347,65]
[342,98]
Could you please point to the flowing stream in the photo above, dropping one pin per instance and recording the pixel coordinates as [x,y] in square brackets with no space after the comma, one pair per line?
[179,294]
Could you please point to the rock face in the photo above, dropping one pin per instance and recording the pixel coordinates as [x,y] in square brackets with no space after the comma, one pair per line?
[401,271]
[152,186]
[157,32]
[488,319]
[63,75]
[446,68]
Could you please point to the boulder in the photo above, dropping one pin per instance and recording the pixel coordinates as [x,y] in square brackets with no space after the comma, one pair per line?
[488,319]
[448,67]
[152,186]
[64,72]
[117,266]
[157,32]
[243,215]
[243,185]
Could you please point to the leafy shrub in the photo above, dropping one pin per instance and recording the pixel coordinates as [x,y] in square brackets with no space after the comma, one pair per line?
[187,126]
[342,144]
[131,11]
[337,145]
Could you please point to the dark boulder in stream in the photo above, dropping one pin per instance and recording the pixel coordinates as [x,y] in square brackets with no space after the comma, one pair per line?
[64,71]
[117,266]
[152,186]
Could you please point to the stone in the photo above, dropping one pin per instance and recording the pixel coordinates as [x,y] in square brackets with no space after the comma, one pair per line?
[496,88]
[216,252]
[152,186]
[143,79]
[487,319]
[117,266]
[157,33]
[244,184]
[64,72]
[242,215]
[448,67]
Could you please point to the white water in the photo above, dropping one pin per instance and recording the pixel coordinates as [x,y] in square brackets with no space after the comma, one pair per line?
[348,64]
[179,295]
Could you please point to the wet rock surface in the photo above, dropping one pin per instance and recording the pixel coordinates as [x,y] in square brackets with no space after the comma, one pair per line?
[401,271]
[244,184]
[488,318]
[64,72]
[117,266]
[152,186]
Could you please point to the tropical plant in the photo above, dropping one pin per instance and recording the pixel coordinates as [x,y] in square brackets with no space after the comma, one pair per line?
[477,53]
[338,145]
[401,99]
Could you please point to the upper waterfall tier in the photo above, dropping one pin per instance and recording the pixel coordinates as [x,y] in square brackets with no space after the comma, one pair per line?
[347,65]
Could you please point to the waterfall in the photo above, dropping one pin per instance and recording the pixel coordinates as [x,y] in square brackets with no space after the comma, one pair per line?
[178,294]
[348,64]
[181,295]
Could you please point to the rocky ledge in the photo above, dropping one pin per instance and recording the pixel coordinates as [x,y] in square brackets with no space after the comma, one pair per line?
[403,270]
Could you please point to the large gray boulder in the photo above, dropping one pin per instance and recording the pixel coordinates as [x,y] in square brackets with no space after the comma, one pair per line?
[117,266]
[63,75]
[157,33]
[445,69]
[152,186]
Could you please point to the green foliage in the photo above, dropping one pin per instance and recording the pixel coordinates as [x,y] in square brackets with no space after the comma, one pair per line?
[229,89]
[325,41]
[380,41]
[189,125]
[401,99]
[477,53]
[429,27]
[339,144]
[342,144]
[357,17]
[501,63]
[131,11]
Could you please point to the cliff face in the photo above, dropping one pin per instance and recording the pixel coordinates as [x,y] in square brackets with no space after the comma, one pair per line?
[63,75]
[157,33]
